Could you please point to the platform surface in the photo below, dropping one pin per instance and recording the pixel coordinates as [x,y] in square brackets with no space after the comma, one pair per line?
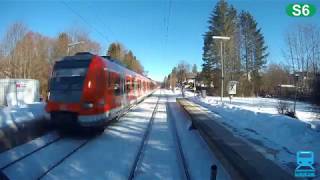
[239,158]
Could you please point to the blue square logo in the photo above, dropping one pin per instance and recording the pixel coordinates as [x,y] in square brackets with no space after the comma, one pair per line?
[305,161]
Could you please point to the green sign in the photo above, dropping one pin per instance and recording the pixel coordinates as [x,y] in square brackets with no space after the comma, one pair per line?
[301,10]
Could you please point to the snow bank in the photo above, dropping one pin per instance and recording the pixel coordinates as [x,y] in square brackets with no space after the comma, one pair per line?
[305,111]
[279,137]
[21,123]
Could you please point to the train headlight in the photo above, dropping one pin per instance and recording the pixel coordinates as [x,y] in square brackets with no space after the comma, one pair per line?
[89,84]
[87,105]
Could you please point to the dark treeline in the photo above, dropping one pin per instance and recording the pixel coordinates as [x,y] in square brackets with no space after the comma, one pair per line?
[126,57]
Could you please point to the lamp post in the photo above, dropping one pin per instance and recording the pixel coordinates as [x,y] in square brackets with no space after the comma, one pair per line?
[296,78]
[222,60]
[73,44]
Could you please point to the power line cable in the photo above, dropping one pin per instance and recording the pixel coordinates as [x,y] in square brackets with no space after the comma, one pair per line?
[98,17]
[167,24]
[85,21]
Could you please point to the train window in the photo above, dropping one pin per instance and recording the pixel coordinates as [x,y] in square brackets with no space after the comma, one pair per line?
[69,72]
[116,85]
[128,85]
[135,84]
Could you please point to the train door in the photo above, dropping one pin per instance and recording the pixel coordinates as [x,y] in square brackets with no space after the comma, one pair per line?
[135,87]
[142,88]
[117,90]
[109,100]
[139,88]
[123,93]
[128,89]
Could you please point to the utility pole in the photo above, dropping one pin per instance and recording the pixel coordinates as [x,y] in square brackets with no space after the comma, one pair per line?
[296,78]
[72,45]
[222,70]
[222,60]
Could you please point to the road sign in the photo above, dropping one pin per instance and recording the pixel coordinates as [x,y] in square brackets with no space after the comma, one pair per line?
[232,87]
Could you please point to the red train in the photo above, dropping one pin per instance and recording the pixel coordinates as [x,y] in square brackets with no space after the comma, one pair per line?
[88,90]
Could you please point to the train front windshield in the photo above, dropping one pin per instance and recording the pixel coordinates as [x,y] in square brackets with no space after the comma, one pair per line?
[67,81]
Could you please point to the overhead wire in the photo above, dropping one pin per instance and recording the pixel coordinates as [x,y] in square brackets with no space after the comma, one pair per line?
[101,21]
[85,21]
[167,24]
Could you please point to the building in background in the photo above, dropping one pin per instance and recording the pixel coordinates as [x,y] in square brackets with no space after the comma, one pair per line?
[19,91]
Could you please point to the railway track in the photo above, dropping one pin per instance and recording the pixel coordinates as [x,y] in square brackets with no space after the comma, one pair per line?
[43,148]
[143,142]
[79,145]
[178,147]
[2,168]
[64,158]
[179,150]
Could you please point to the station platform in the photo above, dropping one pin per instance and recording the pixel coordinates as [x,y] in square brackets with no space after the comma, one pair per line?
[239,158]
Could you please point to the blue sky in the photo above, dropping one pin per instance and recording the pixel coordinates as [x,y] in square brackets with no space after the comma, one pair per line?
[141,25]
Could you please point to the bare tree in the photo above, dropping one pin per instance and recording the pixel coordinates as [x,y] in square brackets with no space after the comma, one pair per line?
[183,69]
[303,50]
[26,54]
[274,75]
[14,34]
[80,34]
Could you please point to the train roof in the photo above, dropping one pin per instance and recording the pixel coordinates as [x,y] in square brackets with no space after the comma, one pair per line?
[81,56]
[113,64]
[118,66]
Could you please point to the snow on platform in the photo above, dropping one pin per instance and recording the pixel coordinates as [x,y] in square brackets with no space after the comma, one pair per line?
[19,124]
[278,137]
[16,115]
[198,155]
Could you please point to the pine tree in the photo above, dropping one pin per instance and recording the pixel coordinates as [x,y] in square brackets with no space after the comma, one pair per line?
[60,46]
[222,22]
[128,60]
[253,51]
[118,52]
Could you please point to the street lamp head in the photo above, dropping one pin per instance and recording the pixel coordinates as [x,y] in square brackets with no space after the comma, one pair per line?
[75,43]
[221,37]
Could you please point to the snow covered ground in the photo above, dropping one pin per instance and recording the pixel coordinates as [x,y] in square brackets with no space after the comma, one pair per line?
[279,137]
[111,155]
[12,116]
[161,160]
[19,124]
[305,111]
[198,156]
[108,156]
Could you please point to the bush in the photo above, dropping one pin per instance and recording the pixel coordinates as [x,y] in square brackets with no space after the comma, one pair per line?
[284,108]
[315,90]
